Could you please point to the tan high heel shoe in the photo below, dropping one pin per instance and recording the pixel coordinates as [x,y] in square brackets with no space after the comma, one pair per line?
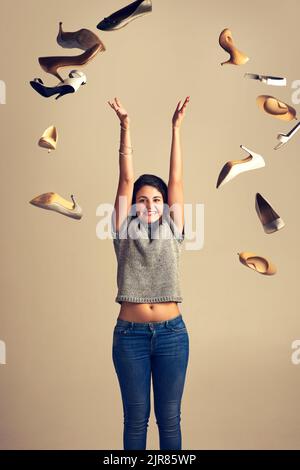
[54,202]
[49,139]
[53,63]
[257,263]
[82,39]
[274,107]
[236,57]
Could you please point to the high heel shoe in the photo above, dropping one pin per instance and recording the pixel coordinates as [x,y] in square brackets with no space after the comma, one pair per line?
[257,263]
[276,108]
[234,167]
[122,17]
[49,139]
[53,63]
[270,220]
[236,57]
[38,85]
[267,79]
[284,138]
[54,202]
[70,85]
[82,39]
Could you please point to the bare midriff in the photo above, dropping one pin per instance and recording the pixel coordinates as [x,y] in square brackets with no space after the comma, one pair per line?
[135,312]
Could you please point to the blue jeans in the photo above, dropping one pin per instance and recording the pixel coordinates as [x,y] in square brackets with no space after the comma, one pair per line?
[142,349]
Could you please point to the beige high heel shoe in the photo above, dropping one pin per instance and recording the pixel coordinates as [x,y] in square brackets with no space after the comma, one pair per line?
[49,139]
[272,106]
[53,63]
[236,57]
[82,39]
[52,201]
[257,263]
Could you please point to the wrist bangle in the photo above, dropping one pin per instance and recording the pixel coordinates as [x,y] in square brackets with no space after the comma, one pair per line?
[127,146]
[124,128]
[125,153]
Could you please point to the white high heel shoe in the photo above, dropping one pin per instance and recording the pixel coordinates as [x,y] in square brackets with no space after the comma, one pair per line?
[75,80]
[267,79]
[284,138]
[49,139]
[234,167]
[70,85]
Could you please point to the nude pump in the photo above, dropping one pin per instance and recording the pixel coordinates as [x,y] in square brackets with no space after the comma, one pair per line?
[53,201]
[226,42]
[49,139]
[53,63]
[82,39]
[272,106]
[258,263]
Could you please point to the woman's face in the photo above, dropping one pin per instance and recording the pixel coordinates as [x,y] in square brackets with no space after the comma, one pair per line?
[149,204]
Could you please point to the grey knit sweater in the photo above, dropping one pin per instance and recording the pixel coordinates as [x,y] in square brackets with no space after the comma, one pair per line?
[148,263]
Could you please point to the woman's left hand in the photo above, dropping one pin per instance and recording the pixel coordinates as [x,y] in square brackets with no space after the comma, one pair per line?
[179,113]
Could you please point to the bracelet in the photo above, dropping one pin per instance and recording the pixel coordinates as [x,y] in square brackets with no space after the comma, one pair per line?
[123,153]
[124,128]
[127,146]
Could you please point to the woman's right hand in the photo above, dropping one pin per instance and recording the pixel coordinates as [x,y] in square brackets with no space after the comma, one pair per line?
[120,111]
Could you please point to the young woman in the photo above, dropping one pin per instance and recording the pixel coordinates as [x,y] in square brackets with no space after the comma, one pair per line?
[150,337]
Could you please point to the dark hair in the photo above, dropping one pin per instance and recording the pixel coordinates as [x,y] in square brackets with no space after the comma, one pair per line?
[150,180]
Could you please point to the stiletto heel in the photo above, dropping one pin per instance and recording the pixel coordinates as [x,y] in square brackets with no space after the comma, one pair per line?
[270,220]
[122,17]
[234,167]
[274,107]
[284,138]
[54,202]
[257,263]
[49,139]
[53,63]
[70,85]
[267,79]
[82,39]
[236,57]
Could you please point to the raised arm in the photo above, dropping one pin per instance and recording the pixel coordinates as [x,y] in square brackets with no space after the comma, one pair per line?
[175,184]
[126,177]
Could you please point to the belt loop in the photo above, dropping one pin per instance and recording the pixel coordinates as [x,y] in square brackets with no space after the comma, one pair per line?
[131,325]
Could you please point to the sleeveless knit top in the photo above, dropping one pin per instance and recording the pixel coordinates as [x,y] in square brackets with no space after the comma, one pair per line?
[148,263]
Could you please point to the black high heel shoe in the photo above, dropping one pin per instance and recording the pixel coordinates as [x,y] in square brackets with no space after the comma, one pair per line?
[38,85]
[70,85]
[122,17]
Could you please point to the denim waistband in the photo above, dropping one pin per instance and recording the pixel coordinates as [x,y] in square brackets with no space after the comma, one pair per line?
[157,324]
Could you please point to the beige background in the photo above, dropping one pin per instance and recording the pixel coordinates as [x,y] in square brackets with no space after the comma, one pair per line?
[58,280]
